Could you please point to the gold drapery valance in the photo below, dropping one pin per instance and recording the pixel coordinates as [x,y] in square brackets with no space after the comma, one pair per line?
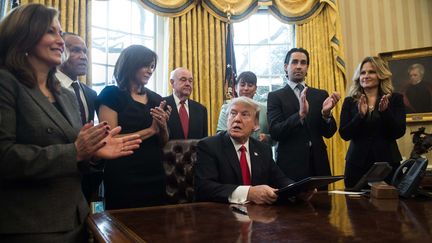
[288,11]
[172,8]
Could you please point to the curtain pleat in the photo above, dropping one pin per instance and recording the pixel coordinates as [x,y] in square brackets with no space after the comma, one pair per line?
[196,42]
[75,18]
[325,73]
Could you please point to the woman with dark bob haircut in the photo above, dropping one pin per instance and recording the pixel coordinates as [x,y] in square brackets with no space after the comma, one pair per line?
[44,151]
[137,180]
[372,118]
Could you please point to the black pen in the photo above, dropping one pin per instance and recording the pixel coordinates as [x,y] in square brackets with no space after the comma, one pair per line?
[239,210]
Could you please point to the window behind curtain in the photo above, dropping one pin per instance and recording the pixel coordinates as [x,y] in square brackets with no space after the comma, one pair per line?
[260,44]
[117,25]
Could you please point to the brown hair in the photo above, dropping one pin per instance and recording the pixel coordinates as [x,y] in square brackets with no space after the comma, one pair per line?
[20,31]
[132,59]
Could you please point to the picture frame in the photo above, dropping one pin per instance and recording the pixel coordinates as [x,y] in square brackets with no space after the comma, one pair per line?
[406,67]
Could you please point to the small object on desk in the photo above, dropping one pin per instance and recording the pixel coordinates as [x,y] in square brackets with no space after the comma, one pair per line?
[239,209]
[346,192]
[385,204]
[97,207]
[382,190]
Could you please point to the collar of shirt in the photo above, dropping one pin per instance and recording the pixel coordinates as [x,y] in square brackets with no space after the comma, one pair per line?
[177,101]
[65,81]
[294,84]
[238,145]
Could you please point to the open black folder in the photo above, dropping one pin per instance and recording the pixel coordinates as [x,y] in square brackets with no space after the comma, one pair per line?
[307,184]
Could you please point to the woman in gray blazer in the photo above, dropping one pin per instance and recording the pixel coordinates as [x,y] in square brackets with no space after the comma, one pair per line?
[43,149]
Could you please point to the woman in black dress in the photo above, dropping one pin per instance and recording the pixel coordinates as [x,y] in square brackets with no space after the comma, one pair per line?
[372,118]
[137,180]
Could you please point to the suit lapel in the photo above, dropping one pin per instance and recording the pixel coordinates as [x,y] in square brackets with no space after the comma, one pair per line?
[232,157]
[192,120]
[175,117]
[88,100]
[255,158]
[55,115]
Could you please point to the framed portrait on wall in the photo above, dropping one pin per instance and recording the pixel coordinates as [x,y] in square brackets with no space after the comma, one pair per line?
[412,77]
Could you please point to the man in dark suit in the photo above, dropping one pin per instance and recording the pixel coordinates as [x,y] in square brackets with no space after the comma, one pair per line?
[299,116]
[234,167]
[188,119]
[74,64]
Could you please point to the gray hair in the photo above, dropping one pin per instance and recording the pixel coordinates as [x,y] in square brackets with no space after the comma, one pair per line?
[419,67]
[174,72]
[245,101]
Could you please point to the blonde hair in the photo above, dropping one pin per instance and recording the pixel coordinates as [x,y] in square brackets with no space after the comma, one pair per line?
[383,73]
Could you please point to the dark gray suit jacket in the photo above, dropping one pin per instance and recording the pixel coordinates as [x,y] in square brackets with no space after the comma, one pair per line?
[294,151]
[40,183]
[218,173]
[198,127]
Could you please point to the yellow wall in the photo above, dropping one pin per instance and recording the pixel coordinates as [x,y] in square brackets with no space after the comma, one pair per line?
[370,27]
[373,26]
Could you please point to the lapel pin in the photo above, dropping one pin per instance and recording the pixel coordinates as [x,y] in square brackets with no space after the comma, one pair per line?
[255,153]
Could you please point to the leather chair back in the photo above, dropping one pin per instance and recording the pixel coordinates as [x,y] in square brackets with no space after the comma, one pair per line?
[178,161]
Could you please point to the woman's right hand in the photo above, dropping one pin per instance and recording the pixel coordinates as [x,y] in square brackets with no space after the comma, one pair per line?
[90,139]
[362,105]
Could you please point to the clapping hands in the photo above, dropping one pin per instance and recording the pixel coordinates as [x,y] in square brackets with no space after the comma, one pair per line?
[96,142]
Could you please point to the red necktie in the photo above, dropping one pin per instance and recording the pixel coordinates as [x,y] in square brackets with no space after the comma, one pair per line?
[244,166]
[184,119]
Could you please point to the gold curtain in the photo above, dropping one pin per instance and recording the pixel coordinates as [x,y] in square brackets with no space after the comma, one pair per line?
[321,37]
[197,42]
[75,16]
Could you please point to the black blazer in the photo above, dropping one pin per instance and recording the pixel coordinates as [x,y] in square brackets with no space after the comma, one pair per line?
[40,183]
[294,137]
[377,137]
[218,173]
[198,127]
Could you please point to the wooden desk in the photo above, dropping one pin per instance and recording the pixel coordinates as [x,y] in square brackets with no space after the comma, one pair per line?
[326,218]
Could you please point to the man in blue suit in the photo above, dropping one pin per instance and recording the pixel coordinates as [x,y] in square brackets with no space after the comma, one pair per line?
[188,118]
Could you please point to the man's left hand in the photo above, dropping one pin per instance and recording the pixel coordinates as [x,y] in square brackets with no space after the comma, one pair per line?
[330,103]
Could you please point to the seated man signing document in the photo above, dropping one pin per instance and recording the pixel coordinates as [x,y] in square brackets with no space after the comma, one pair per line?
[234,167]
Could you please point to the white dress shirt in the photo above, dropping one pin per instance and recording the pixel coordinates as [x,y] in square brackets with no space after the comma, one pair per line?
[66,82]
[177,102]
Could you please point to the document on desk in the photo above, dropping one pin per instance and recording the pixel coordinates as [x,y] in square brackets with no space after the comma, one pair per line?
[307,184]
[346,192]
